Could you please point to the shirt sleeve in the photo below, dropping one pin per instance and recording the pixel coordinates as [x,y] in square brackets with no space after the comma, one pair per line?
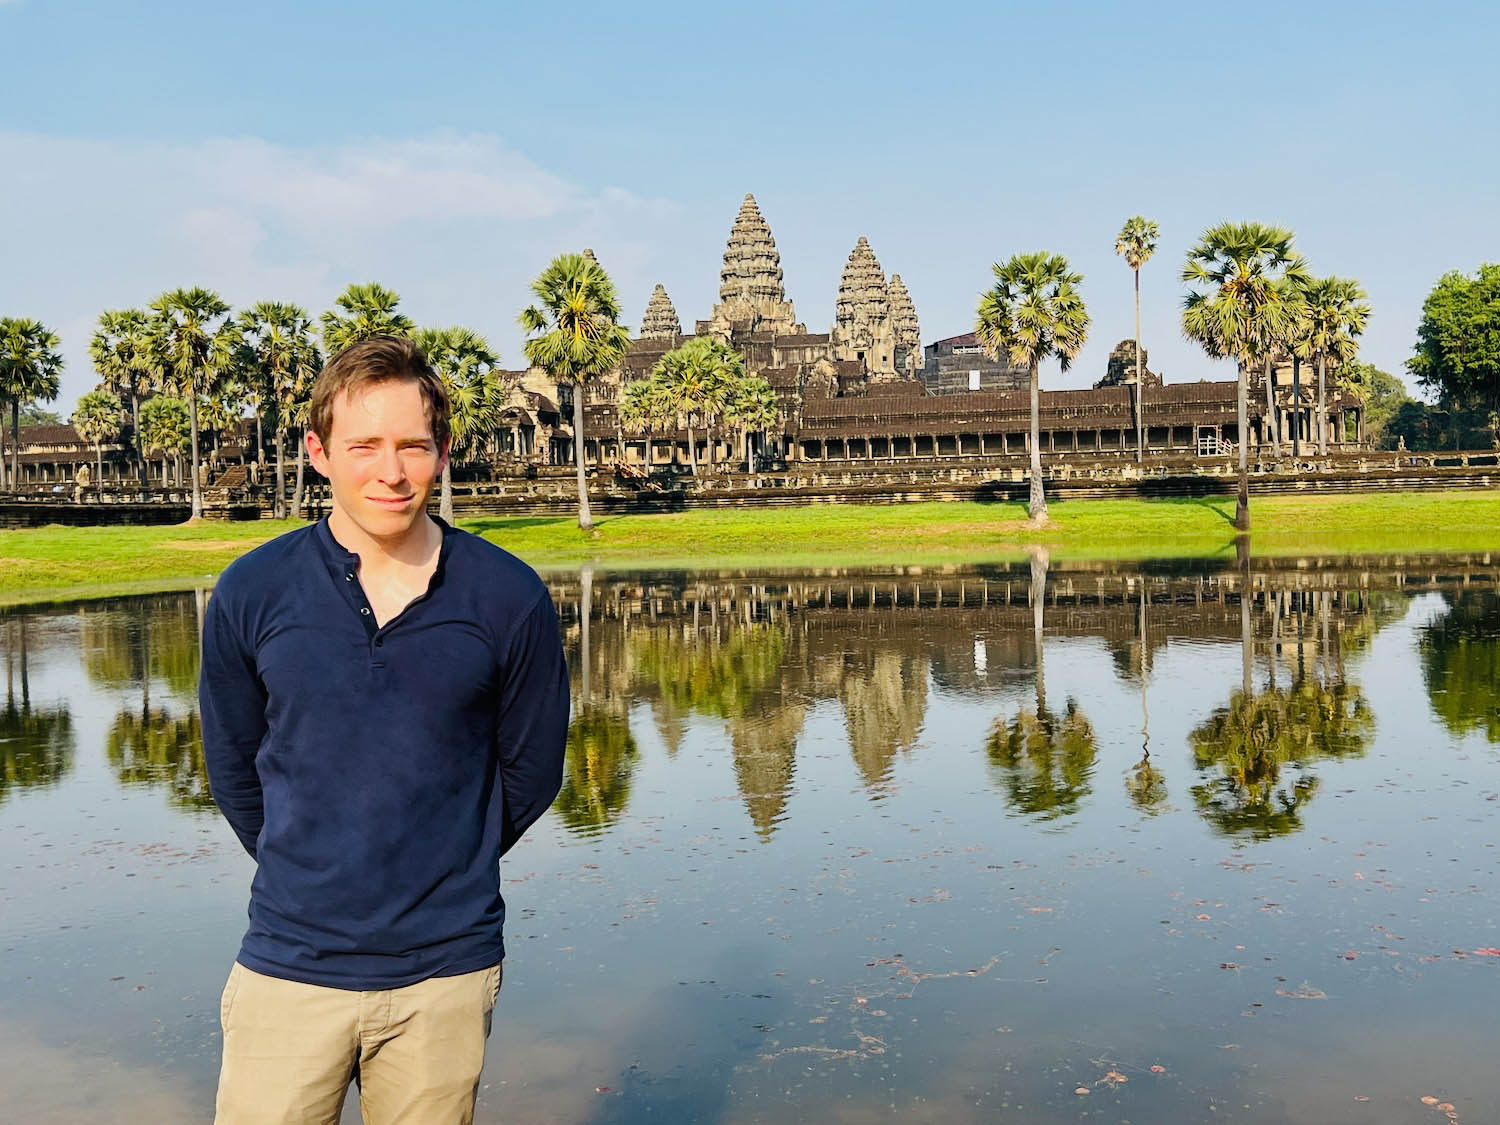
[532,731]
[232,705]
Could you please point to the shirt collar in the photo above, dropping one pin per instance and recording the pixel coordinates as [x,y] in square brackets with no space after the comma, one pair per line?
[342,562]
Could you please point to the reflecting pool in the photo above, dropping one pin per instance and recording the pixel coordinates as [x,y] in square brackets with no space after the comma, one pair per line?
[1052,841]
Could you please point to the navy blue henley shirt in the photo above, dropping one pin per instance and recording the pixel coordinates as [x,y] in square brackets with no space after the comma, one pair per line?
[377,773]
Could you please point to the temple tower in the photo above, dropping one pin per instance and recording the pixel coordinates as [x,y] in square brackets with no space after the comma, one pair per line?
[862,326]
[904,326]
[751,295]
[660,320]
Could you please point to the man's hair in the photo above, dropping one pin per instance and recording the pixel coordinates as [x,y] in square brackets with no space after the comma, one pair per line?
[380,359]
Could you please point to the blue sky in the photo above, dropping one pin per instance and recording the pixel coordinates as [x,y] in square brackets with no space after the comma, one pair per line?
[283,150]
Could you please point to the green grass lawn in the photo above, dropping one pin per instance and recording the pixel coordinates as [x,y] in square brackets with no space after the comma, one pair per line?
[54,563]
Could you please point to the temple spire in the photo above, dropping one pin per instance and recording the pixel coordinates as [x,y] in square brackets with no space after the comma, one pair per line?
[660,319]
[751,294]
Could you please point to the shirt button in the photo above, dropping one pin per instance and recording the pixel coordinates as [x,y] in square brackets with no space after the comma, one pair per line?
[379,641]
[349,576]
[365,610]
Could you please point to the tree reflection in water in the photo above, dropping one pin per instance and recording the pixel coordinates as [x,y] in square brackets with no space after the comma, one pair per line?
[1043,761]
[158,749]
[600,761]
[1265,744]
[36,743]
[1460,654]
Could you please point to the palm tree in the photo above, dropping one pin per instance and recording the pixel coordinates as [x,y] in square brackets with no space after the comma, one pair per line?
[165,429]
[277,338]
[754,407]
[1137,242]
[574,334]
[30,371]
[307,366]
[641,410]
[694,383]
[369,310]
[1034,312]
[1337,311]
[196,344]
[477,392]
[1237,306]
[124,360]
[97,419]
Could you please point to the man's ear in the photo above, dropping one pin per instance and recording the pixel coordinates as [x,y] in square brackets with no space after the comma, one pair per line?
[316,453]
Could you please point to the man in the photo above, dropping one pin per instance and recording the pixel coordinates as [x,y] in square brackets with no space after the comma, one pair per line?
[384,707]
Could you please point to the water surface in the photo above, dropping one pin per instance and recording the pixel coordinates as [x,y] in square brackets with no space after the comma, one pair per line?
[1184,842]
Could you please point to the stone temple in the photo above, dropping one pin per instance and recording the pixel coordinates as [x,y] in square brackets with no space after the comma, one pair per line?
[866,389]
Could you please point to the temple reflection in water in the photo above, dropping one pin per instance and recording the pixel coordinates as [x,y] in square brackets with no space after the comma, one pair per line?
[754,656]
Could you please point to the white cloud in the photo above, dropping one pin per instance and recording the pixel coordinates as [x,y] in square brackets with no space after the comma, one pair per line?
[459,224]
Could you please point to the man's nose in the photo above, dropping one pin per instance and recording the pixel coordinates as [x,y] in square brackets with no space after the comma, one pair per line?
[391,468]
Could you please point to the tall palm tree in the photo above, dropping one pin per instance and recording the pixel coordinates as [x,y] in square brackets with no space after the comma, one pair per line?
[30,371]
[196,344]
[277,336]
[307,366]
[165,429]
[694,384]
[752,406]
[574,334]
[477,392]
[125,363]
[368,310]
[1337,312]
[641,411]
[97,420]
[1237,304]
[1137,242]
[1034,312]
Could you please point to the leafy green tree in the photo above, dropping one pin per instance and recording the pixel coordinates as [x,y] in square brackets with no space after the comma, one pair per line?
[126,365]
[1457,356]
[1460,654]
[1336,313]
[1237,304]
[1381,395]
[30,370]
[1136,242]
[1032,313]
[166,430]
[97,420]
[367,310]
[694,384]
[36,743]
[477,393]
[574,334]
[197,345]
[282,358]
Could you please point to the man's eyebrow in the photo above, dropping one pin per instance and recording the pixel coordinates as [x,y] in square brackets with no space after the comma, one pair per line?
[418,439]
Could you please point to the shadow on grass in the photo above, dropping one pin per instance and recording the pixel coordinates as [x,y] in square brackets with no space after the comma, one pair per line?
[1208,502]
[518,523]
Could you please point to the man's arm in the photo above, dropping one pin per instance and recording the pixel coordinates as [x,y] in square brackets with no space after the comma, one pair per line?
[533,727]
[232,704]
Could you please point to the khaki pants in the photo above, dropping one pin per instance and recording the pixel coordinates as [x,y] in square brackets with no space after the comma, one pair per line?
[291,1048]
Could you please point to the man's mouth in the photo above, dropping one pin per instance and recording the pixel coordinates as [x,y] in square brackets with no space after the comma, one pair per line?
[390,501]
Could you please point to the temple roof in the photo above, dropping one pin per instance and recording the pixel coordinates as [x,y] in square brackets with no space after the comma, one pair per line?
[660,319]
[752,264]
[862,290]
[904,316]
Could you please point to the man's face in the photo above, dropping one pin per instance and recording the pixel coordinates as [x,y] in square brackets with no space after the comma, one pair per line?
[380,457]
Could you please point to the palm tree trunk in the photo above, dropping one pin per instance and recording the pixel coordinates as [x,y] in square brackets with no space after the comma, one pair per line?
[140,452]
[15,443]
[260,441]
[1140,381]
[585,612]
[1296,406]
[278,502]
[99,466]
[1037,509]
[585,519]
[1322,405]
[708,435]
[296,511]
[196,512]
[1272,429]
[1242,403]
[445,506]
[692,452]
[1039,562]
